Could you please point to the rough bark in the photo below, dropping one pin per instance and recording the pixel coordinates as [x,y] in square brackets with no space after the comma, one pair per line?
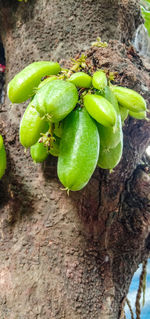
[71,257]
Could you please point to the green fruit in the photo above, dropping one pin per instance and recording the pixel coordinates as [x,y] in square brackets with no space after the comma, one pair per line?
[3,161]
[124,113]
[31,127]
[138,115]
[1,142]
[129,98]
[81,80]
[58,129]
[100,109]
[55,147]
[56,99]
[111,136]
[99,80]
[109,158]
[49,79]
[24,83]
[79,150]
[38,152]
[109,95]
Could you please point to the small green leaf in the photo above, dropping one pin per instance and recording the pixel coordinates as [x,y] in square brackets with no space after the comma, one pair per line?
[148,1]
[146,16]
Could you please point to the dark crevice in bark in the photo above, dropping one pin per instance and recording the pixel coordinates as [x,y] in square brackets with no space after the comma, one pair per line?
[147,243]
[129,194]
[2,54]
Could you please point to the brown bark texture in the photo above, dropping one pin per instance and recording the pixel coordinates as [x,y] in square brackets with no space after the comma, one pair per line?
[72,257]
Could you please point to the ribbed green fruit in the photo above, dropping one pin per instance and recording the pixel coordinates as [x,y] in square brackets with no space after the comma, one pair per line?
[38,152]
[100,109]
[47,80]
[3,161]
[123,112]
[109,158]
[56,99]
[81,80]
[79,150]
[129,98]
[99,80]
[138,115]
[111,136]
[31,127]
[58,129]
[1,142]
[24,83]
[55,146]
[109,95]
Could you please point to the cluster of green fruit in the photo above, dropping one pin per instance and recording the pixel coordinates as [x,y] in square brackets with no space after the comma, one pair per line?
[3,161]
[75,116]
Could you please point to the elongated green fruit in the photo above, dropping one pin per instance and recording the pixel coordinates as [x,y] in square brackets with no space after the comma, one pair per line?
[38,152]
[109,158]
[1,142]
[109,95]
[24,83]
[100,109]
[31,127]
[56,99]
[111,136]
[58,129]
[3,161]
[99,80]
[49,79]
[55,147]
[81,80]
[138,115]
[117,129]
[129,98]
[124,113]
[79,150]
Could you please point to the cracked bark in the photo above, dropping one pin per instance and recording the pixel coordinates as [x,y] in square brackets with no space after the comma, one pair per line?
[71,257]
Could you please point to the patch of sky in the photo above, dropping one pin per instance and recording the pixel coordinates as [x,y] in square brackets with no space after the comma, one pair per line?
[145,311]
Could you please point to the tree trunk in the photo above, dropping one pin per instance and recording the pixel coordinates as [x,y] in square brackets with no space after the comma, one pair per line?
[71,256]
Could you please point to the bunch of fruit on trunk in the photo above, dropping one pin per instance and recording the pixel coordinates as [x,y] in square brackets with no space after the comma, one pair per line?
[74,115]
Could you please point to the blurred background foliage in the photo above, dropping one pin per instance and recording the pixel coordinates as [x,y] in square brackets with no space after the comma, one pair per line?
[145,9]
